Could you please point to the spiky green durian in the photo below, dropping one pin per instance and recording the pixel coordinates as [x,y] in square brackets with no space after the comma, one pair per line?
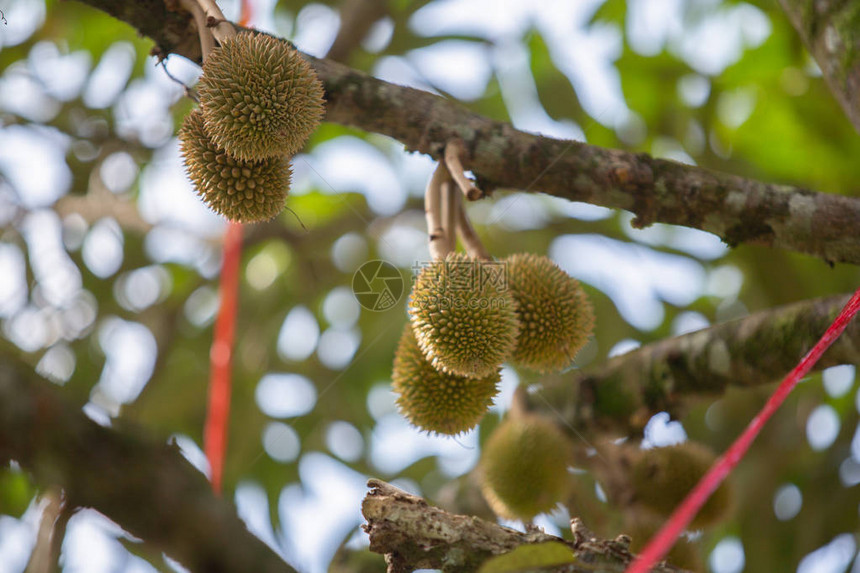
[555,316]
[259,97]
[464,322]
[523,467]
[662,477]
[244,191]
[435,401]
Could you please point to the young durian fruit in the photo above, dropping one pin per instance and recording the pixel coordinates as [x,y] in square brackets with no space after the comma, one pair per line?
[555,315]
[260,98]
[464,324]
[435,401]
[662,477]
[523,468]
[244,191]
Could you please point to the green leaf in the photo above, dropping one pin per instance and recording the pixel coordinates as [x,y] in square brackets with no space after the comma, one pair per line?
[614,11]
[528,557]
[16,491]
[556,93]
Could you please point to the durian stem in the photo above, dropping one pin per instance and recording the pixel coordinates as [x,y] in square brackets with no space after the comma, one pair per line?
[455,151]
[220,27]
[439,247]
[207,40]
[467,233]
[519,403]
[449,214]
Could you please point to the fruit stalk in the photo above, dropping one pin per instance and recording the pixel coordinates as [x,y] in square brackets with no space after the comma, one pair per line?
[439,246]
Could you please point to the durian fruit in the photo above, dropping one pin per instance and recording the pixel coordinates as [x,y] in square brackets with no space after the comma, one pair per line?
[523,468]
[435,401]
[662,477]
[259,97]
[555,315]
[244,191]
[464,323]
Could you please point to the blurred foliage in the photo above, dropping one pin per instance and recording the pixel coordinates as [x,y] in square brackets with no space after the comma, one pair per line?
[766,114]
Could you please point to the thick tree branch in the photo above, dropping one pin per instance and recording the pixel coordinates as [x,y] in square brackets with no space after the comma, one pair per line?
[621,394]
[831,31]
[146,487]
[736,209]
[414,535]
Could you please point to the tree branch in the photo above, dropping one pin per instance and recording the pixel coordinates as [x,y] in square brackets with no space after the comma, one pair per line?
[621,394]
[357,17]
[146,487]
[831,31]
[414,535]
[736,209]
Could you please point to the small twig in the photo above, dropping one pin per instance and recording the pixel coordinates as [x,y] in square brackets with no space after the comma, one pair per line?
[474,246]
[433,211]
[207,40]
[3,17]
[67,510]
[43,559]
[455,151]
[189,93]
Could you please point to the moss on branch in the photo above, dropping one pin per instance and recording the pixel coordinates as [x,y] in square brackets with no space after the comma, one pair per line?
[831,31]
[415,535]
[621,394]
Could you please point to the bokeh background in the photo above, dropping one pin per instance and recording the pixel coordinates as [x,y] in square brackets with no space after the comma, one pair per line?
[109,264]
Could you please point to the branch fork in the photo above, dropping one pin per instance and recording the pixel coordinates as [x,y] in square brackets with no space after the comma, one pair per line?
[211,24]
[444,209]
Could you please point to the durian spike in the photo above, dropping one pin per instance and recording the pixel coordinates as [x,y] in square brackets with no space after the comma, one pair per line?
[455,151]
[556,318]
[259,97]
[435,401]
[207,40]
[465,322]
[467,233]
[242,191]
[439,246]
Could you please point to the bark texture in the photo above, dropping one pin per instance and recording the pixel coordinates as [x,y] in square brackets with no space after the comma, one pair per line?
[736,209]
[146,487]
[831,31]
[415,535]
[622,394]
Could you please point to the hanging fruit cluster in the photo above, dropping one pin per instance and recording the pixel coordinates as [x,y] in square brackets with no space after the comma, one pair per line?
[463,326]
[469,314]
[259,103]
